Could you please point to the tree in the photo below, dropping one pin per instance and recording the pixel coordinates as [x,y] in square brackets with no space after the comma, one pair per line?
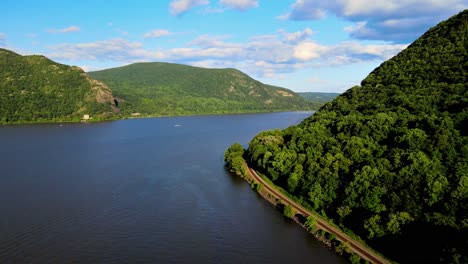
[390,153]
[311,224]
[289,211]
[234,159]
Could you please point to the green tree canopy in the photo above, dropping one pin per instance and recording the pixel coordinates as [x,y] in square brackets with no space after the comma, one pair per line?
[388,159]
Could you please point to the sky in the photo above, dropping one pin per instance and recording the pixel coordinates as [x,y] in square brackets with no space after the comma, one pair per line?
[303,45]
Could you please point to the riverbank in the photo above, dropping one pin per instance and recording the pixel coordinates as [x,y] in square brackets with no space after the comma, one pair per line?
[324,231]
[61,121]
[246,112]
[124,117]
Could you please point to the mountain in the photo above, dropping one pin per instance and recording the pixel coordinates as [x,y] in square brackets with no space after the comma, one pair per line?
[388,160]
[318,99]
[173,89]
[35,89]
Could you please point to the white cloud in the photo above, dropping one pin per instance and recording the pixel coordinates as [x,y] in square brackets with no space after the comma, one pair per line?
[266,55]
[239,4]
[206,53]
[309,50]
[359,30]
[206,41]
[392,20]
[105,50]
[64,30]
[157,33]
[178,7]
[364,52]
[304,10]
[297,36]
[397,8]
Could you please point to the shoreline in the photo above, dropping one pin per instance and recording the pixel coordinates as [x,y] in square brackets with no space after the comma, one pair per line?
[341,244]
[76,121]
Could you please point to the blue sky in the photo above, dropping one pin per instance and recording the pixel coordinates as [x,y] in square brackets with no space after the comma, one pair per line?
[303,45]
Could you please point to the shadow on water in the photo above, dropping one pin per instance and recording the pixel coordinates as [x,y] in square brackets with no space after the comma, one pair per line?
[301,219]
[280,207]
[234,177]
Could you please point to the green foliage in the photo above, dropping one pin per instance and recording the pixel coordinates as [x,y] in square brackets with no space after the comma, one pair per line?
[36,89]
[259,187]
[234,159]
[354,259]
[311,224]
[256,186]
[343,248]
[289,211]
[174,89]
[389,157]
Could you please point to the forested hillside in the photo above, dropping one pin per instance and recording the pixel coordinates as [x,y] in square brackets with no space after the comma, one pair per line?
[389,159]
[34,88]
[173,89]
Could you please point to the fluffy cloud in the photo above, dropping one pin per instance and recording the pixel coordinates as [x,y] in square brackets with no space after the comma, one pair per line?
[263,56]
[308,51]
[273,55]
[239,4]
[363,52]
[64,30]
[304,10]
[207,41]
[178,7]
[157,33]
[297,36]
[107,50]
[392,20]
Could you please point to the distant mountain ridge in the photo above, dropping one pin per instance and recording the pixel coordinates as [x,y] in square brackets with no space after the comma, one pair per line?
[318,99]
[34,89]
[157,88]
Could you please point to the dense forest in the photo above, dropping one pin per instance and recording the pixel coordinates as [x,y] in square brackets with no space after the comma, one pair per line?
[173,89]
[34,89]
[388,160]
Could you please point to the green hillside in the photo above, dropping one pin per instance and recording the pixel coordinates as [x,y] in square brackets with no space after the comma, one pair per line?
[36,89]
[174,89]
[318,99]
[389,159]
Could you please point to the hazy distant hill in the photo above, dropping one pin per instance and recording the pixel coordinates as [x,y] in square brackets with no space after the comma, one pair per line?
[173,89]
[389,159]
[34,88]
[318,99]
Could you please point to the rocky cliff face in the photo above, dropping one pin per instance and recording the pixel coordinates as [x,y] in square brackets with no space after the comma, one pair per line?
[100,93]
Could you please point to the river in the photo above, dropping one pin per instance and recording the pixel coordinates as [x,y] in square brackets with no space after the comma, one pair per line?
[141,191]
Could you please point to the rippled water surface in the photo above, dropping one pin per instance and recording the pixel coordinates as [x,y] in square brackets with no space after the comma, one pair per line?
[141,191]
